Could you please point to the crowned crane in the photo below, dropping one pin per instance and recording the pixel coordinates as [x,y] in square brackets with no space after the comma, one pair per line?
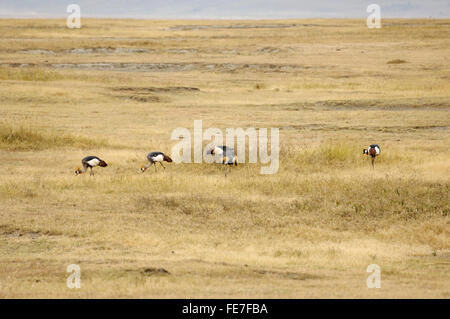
[227,154]
[90,162]
[373,151]
[155,157]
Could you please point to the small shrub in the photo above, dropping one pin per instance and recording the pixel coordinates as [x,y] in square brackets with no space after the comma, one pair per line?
[259,86]
[396,61]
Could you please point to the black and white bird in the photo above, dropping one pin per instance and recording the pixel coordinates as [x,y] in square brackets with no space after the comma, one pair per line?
[90,162]
[155,157]
[227,154]
[373,151]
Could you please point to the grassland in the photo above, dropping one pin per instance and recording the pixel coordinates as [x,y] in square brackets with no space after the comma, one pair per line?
[117,89]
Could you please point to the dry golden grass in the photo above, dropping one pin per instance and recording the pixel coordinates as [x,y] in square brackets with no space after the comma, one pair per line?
[112,89]
[22,137]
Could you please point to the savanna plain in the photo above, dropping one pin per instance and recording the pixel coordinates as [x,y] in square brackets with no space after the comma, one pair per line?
[118,88]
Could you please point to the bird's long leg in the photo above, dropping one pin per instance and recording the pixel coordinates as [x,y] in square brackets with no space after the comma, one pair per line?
[91,173]
[225,169]
[155,166]
[162,165]
[373,160]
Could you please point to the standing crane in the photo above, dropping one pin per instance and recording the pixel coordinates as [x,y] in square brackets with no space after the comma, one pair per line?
[373,151]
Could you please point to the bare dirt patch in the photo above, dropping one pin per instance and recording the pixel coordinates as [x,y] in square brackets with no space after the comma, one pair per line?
[140,98]
[147,94]
[287,275]
[99,50]
[149,271]
[11,232]
[171,89]
[239,26]
[169,67]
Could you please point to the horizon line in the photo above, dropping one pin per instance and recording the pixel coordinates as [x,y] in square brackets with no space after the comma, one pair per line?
[222,18]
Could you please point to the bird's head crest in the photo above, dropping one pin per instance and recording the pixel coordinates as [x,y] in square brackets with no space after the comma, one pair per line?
[143,168]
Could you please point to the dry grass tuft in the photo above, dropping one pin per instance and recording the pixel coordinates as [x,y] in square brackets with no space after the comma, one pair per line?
[23,137]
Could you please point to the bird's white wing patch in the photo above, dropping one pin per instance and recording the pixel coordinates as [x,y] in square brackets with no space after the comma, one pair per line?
[377,150]
[93,162]
[158,158]
[218,151]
